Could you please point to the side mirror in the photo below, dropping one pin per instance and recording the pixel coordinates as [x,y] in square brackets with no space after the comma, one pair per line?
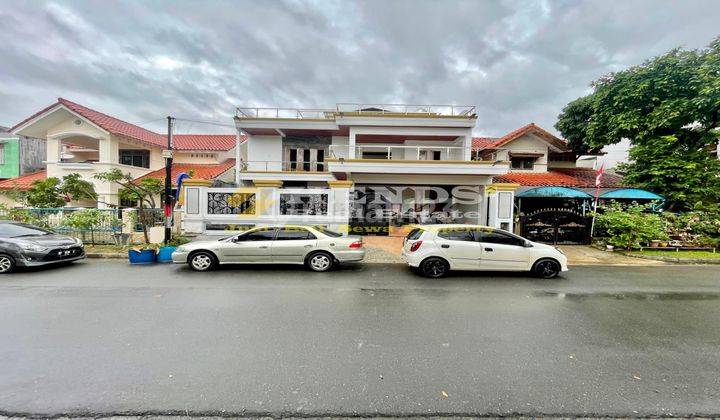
[528,244]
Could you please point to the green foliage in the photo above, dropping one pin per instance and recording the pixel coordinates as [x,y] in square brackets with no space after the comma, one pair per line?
[22,215]
[53,192]
[143,193]
[669,108]
[700,226]
[90,220]
[178,240]
[630,227]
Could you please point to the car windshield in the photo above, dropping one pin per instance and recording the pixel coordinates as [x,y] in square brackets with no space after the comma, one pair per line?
[327,231]
[18,230]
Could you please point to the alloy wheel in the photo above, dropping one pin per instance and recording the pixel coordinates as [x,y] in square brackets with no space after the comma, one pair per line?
[201,262]
[6,264]
[434,267]
[320,262]
[547,269]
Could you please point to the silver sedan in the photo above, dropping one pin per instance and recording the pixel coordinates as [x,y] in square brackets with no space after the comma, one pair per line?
[317,248]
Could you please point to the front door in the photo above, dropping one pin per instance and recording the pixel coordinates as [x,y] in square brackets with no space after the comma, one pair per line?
[502,251]
[460,247]
[292,244]
[253,246]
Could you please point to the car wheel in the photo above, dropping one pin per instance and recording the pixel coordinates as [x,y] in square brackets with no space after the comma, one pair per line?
[546,269]
[434,267]
[320,261]
[7,264]
[202,261]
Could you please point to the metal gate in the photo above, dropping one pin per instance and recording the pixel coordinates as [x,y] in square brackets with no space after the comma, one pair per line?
[556,226]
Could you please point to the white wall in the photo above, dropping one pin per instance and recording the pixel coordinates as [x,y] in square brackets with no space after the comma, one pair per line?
[262,149]
[528,144]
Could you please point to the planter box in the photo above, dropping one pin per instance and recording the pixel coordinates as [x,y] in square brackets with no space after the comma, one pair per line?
[144,256]
[165,254]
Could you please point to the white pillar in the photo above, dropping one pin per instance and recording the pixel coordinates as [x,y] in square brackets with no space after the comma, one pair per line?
[237,157]
[467,146]
[351,144]
[340,210]
[501,205]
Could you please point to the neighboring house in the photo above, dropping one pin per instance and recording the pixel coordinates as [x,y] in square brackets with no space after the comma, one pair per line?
[20,155]
[555,193]
[374,168]
[84,141]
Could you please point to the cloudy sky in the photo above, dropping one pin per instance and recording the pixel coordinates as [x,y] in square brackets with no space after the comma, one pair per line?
[518,61]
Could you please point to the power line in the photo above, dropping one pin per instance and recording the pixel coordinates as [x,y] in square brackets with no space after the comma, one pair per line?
[206,122]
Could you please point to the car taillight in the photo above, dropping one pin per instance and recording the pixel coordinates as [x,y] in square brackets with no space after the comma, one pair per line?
[414,247]
[356,244]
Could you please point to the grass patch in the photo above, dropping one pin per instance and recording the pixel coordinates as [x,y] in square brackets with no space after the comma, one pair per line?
[691,255]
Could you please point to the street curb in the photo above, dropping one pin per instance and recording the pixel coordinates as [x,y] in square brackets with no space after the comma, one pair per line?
[675,260]
[108,255]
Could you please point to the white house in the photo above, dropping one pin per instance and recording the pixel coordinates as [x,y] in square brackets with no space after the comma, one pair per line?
[85,141]
[368,168]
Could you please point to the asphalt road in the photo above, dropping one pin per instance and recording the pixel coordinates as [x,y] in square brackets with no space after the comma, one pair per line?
[102,337]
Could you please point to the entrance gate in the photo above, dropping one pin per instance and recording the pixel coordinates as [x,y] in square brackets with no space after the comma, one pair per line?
[556,226]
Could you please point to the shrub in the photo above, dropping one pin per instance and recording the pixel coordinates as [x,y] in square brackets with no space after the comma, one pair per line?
[630,227]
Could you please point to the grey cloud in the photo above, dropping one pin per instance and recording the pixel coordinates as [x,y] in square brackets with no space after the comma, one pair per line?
[518,61]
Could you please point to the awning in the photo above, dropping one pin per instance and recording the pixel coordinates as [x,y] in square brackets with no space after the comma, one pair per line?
[561,192]
[526,154]
[632,194]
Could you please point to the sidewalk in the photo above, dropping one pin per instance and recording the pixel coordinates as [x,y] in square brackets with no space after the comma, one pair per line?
[386,249]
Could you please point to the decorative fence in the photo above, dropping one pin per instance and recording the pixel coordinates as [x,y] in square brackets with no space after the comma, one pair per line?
[93,226]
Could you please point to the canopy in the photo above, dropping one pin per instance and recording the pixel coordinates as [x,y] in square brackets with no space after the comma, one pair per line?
[561,192]
[631,194]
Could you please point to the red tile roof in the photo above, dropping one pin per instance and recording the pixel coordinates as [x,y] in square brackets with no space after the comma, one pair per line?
[571,177]
[23,182]
[200,171]
[209,142]
[481,143]
[204,142]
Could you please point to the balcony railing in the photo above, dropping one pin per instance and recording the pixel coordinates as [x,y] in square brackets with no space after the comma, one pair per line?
[285,166]
[400,152]
[357,108]
[408,109]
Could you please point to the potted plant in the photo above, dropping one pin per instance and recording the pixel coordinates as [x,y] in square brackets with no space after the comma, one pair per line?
[165,252]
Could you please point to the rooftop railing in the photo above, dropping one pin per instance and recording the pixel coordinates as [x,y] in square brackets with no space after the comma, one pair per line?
[357,108]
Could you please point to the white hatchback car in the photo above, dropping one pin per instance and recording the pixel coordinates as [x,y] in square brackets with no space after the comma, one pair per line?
[434,250]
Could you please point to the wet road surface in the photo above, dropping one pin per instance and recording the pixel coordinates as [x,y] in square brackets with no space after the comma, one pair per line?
[102,337]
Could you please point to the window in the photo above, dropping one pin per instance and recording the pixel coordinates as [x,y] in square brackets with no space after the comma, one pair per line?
[522,162]
[430,155]
[457,234]
[414,234]
[139,158]
[328,232]
[496,237]
[290,234]
[2,153]
[376,155]
[265,234]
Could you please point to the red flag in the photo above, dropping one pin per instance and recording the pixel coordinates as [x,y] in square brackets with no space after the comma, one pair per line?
[598,177]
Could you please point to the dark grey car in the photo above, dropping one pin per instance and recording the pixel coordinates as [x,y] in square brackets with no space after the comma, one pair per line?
[25,245]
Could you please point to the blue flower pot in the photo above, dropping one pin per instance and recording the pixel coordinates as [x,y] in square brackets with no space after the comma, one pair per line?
[144,256]
[165,254]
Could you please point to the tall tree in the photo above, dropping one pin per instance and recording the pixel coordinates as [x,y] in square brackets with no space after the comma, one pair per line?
[669,108]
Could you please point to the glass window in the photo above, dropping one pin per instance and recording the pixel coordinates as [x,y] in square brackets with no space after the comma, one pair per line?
[290,234]
[328,232]
[522,162]
[257,235]
[2,153]
[457,234]
[139,158]
[497,237]
[16,230]
[414,234]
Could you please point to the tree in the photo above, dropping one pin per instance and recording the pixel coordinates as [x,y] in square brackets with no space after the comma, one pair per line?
[143,193]
[671,102]
[53,192]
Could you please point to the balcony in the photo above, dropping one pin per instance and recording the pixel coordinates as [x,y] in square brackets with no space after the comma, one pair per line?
[399,152]
[357,109]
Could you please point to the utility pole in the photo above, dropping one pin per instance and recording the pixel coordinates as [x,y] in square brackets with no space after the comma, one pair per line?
[168,181]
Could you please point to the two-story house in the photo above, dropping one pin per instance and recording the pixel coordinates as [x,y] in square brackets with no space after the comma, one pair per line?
[81,140]
[555,196]
[372,168]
